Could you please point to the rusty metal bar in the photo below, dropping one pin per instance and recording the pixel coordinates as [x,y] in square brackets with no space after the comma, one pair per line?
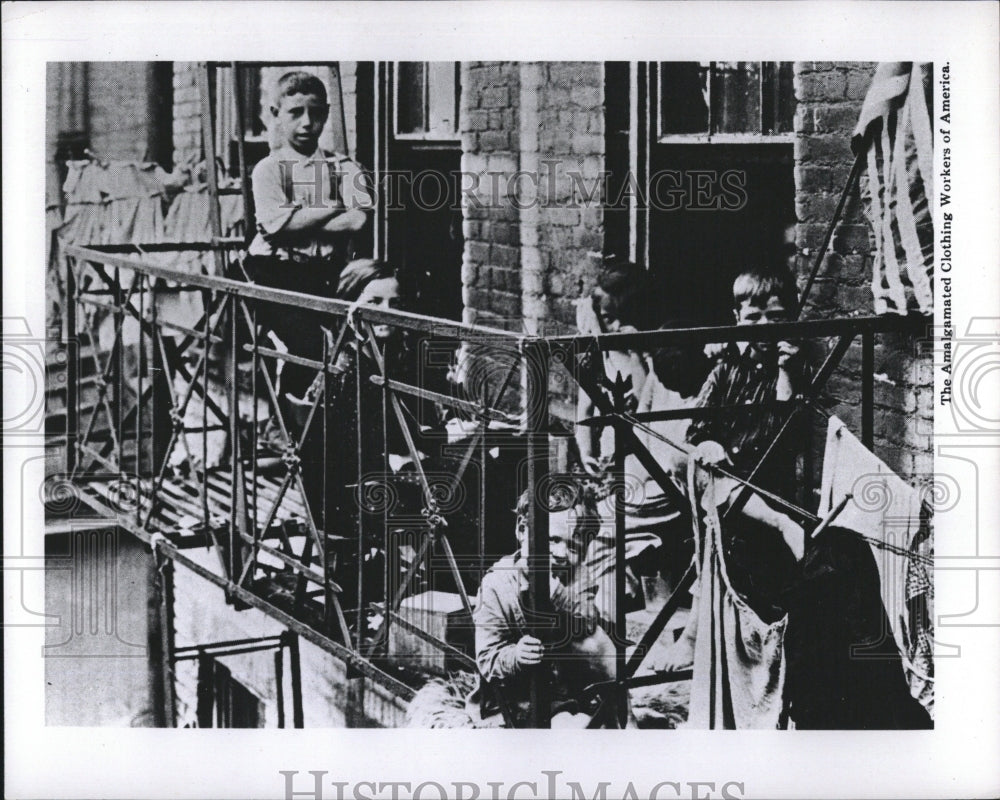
[692,413]
[139,399]
[154,402]
[163,247]
[229,643]
[204,416]
[238,518]
[165,573]
[852,178]
[291,561]
[361,611]
[446,400]
[118,373]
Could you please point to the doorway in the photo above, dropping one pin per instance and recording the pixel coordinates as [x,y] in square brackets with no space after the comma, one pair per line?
[708,150]
[420,182]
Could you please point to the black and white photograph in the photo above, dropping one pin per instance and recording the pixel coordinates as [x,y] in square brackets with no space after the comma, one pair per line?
[457,397]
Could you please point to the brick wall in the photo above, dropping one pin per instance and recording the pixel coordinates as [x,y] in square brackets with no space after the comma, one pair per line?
[106,106]
[829,96]
[527,261]
[187,112]
[187,105]
[571,141]
[119,109]
[526,245]
[488,124]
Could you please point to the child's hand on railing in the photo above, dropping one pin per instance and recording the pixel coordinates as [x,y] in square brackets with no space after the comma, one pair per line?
[528,651]
[715,349]
[710,454]
[786,352]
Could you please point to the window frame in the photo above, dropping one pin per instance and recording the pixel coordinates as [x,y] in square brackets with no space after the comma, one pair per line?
[710,137]
[430,135]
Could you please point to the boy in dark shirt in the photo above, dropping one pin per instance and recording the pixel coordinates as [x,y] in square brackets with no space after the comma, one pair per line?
[763,547]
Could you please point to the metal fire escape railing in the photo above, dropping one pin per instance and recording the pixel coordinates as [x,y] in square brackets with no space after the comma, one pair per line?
[259,527]
[157,395]
[264,529]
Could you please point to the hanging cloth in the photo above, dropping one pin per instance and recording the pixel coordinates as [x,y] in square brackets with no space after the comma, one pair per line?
[739,664]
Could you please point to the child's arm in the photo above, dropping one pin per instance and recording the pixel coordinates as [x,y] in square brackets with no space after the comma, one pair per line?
[346,221]
[500,652]
[759,511]
[756,508]
[331,218]
[278,215]
[354,186]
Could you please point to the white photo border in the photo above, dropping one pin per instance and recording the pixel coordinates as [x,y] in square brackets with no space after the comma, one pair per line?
[957,758]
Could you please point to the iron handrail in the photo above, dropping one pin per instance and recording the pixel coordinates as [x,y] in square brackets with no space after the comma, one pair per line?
[234,297]
[474,334]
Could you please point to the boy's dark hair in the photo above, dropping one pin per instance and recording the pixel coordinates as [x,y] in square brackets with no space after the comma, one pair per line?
[299,82]
[625,282]
[358,274]
[681,367]
[757,285]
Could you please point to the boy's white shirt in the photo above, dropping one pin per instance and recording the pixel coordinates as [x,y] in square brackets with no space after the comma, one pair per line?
[304,173]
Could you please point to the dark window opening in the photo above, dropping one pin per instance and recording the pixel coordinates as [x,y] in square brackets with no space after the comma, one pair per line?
[161,114]
[223,702]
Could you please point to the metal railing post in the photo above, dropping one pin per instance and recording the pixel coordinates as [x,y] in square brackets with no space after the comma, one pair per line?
[238,513]
[295,667]
[159,373]
[118,371]
[536,363]
[72,369]
[279,683]
[141,356]
[619,638]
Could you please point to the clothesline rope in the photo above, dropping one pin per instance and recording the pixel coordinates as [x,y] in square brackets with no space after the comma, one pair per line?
[918,557]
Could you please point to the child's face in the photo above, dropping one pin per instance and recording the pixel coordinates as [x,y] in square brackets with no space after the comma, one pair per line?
[752,313]
[565,541]
[381,293]
[606,309]
[300,119]
[566,549]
